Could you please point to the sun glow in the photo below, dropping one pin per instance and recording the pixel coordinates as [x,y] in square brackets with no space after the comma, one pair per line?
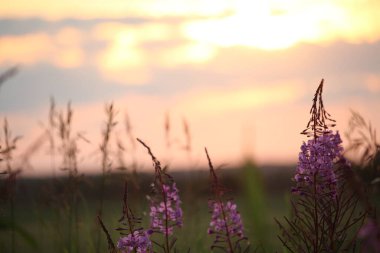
[273,24]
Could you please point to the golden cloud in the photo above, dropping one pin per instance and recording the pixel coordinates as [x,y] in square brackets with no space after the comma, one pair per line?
[187,53]
[26,49]
[62,49]
[86,9]
[132,51]
[273,25]
[264,24]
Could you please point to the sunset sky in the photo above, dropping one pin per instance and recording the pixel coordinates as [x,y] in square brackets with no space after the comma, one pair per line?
[242,74]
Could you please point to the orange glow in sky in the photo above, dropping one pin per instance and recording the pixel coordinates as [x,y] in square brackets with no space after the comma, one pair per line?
[281,24]
[268,24]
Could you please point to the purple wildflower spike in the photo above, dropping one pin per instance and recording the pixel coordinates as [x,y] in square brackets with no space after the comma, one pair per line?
[165,206]
[138,241]
[318,156]
[172,212]
[232,220]
[316,163]
[133,239]
[327,212]
[226,223]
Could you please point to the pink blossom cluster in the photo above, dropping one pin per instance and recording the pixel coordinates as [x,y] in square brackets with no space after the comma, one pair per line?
[225,219]
[168,210]
[138,241]
[316,163]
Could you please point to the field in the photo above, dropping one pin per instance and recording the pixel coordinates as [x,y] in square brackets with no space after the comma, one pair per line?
[40,213]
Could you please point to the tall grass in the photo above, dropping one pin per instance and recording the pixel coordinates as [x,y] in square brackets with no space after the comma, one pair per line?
[10,184]
[106,162]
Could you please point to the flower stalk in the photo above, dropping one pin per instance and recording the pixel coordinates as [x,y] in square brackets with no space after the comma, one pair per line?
[226,223]
[326,213]
[134,238]
[165,204]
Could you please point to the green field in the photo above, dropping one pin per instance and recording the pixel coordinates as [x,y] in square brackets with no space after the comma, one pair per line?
[46,222]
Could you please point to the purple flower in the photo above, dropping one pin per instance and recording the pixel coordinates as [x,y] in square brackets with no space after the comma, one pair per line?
[226,224]
[138,240]
[225,219]
[324,218]
[370,234]
[316,163]
[167,213]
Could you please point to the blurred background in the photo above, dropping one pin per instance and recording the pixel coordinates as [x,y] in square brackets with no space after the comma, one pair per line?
[240,74]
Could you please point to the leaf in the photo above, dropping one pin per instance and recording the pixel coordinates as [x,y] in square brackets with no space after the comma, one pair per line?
[172,243]
[29,239]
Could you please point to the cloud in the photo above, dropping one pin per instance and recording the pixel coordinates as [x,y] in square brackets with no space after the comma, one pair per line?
[86,9]
[187,53]
[266,25]
[124,58]
[62,49]
[274,25]
[26,49]
[133,52]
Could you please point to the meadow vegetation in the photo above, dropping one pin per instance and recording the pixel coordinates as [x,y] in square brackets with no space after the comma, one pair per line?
[325,203]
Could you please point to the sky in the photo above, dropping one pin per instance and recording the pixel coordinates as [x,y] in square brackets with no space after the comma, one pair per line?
[238,75]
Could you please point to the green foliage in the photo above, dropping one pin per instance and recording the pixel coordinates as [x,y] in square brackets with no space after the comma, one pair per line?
[255,202]
[6,226]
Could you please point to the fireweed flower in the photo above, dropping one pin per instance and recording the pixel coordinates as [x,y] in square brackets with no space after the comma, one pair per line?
[326,214]
[138,241]
[168,210]
[226,223]
[319,155]
[316,163]
[229,220]
[134,238]
[165,204]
